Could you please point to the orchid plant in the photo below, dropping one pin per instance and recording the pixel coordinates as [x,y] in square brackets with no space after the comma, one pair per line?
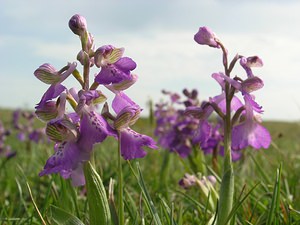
[240,120]
[75,133]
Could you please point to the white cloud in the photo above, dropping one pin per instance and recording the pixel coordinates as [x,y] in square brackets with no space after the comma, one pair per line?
[160,40]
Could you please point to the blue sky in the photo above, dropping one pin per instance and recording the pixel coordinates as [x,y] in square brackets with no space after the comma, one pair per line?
[158,35]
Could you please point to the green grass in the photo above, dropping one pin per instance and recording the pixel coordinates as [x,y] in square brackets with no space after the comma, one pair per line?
[275,171]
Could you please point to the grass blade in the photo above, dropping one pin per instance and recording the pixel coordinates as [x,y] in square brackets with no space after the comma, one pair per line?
[35,206]
[238,204]
[146,194]
[169,211]
[274,207]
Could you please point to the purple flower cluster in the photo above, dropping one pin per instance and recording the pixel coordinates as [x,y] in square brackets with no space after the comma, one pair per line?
[75,133]
[23,122]
[180,130]
[246,124]
[175,130]
[5,150]
[181,133]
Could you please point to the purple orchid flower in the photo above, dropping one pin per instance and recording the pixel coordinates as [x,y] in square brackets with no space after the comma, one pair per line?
[250,132]
[131,142]
[247,63]
[74,145]
[114,67]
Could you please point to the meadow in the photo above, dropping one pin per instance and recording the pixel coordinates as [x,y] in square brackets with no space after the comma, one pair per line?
[82,158]
[275,173]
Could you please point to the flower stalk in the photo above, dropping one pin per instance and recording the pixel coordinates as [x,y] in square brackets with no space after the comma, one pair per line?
[120,184]
[227,184]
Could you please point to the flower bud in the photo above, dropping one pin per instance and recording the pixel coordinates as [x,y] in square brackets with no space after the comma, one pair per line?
[206,37]
[83,57]
[186,93]
[78,24]
[194,94]
[187,181]
[47,74]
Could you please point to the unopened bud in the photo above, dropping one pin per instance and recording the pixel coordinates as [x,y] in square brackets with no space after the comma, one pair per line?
[206,37]
[78,24]
[83,57]
[187,181]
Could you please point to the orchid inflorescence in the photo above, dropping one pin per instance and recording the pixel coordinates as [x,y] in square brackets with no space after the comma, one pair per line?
[240,121]
[246,123]
[75,133]
[179,130]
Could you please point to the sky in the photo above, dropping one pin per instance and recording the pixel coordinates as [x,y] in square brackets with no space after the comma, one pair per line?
[158,36]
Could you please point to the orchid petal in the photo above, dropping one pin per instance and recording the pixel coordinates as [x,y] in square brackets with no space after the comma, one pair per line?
[132,143]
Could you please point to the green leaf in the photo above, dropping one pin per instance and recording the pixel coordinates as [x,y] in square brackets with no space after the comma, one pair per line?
[275,198]
[60,217]
[98,204]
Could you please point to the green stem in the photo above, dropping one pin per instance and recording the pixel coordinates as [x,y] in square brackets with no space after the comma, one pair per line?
[164,174]
[227,184]
[94,86]
[78,77]
[86,74]
[215,165]
[120,186]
